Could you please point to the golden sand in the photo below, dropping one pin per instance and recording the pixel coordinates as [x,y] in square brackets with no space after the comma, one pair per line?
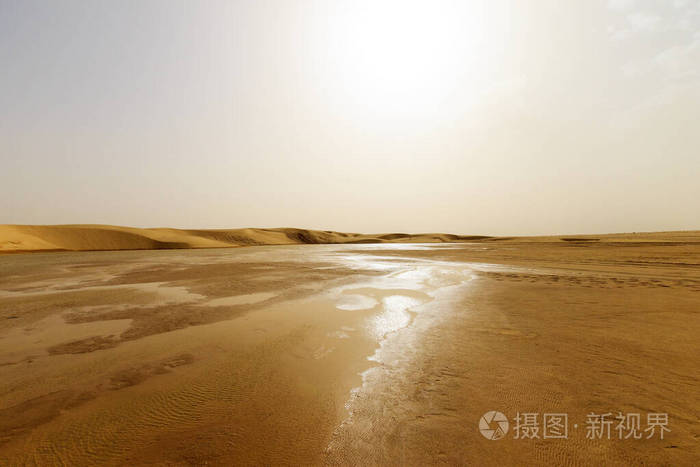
[346,354]
[25,238]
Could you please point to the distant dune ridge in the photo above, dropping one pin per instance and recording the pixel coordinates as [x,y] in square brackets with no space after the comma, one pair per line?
[86,237]
[108,237]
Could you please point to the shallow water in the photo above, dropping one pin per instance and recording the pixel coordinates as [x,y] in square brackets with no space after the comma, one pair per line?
[338,354]
[80,313]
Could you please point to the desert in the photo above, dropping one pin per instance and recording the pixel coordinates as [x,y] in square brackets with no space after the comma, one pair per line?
[349,233]
[340,354]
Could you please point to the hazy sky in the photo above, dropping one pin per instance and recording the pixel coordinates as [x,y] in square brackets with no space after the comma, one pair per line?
[490,117]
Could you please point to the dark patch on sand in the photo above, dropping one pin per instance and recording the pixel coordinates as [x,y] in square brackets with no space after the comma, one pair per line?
[89,344]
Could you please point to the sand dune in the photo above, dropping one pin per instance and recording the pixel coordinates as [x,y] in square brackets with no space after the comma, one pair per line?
[17,238]
[87,237]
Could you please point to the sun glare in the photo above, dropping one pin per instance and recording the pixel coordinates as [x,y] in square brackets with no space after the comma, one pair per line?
[403,59]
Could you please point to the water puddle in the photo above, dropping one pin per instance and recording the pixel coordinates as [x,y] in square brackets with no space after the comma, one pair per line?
[395,316]
[350,301]
[248,299]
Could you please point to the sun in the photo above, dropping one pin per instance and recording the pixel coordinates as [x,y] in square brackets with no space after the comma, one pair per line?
[402,59]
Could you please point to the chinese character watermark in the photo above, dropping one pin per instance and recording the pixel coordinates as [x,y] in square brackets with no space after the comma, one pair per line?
[494,425]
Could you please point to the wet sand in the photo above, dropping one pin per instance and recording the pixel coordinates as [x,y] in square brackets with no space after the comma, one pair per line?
[347,354]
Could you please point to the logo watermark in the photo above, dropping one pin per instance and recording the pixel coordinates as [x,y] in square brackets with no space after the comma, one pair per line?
[494,425]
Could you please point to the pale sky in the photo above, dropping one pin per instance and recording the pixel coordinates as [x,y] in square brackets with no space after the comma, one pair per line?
[493,117]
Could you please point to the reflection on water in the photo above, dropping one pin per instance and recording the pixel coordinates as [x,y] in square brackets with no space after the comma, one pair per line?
[248,299]
[406,290]
[394,317]
[355,302]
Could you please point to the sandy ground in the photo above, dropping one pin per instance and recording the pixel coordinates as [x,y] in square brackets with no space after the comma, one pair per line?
[350,354]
